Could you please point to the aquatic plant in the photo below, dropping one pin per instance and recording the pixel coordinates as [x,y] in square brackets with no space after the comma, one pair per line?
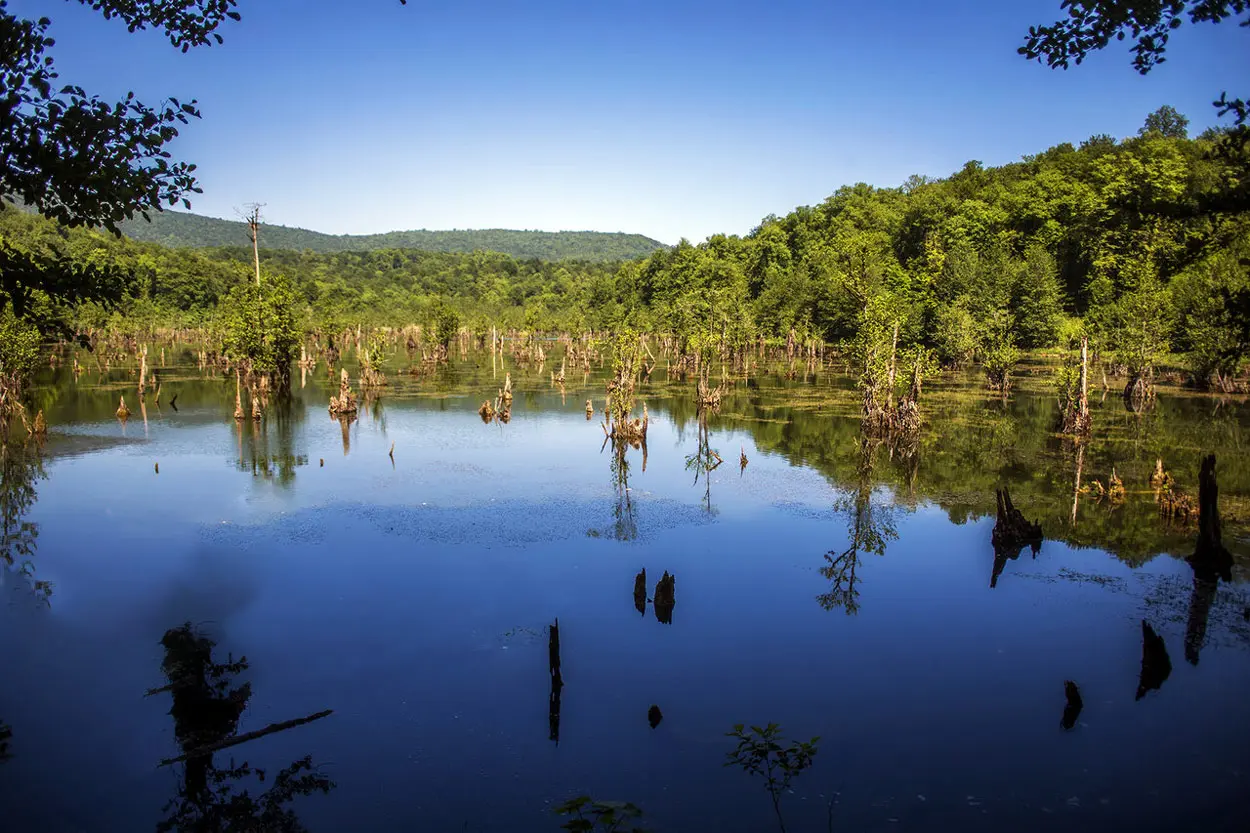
[760,752]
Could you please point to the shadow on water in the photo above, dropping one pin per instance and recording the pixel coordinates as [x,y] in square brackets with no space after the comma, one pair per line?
[208,703]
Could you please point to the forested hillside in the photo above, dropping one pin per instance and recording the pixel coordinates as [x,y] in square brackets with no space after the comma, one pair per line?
[1140,244]
[178,229]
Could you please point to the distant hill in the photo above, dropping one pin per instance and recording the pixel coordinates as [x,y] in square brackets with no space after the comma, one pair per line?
[179,229]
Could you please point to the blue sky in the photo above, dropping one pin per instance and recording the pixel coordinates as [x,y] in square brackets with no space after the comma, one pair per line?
[672,119]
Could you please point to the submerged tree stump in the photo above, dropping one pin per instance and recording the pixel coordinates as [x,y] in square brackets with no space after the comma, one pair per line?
[1073,705]
[345,403]
[123,412]
[557,681]
[640,592]
[1013,531]
[1156,666]
[665,598]
[487,411]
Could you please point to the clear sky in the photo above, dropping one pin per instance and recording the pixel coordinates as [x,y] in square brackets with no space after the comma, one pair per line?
[672,118]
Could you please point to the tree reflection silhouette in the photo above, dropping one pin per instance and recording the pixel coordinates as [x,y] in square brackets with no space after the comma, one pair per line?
[207,705]
[870,526]
[704,461]
[20,469]
[625,525]
[6,735]
[1211,562]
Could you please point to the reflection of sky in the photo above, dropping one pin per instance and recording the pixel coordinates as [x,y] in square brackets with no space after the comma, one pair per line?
[411,601]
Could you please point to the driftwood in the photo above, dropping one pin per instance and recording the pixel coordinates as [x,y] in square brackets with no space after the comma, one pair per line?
[1155,664]
[235,740]
[640,592]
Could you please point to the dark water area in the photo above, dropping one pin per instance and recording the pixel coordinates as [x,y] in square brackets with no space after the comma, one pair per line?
[179,580]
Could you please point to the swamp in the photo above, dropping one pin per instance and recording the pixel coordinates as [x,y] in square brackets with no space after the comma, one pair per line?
[416,615]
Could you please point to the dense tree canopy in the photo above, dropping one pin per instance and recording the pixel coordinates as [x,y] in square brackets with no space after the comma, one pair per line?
[1119,240]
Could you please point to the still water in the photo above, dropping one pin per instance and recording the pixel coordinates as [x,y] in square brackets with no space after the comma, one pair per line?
[840,588]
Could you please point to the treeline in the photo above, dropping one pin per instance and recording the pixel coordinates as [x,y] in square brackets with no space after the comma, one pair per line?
[178,229]
[1142,245]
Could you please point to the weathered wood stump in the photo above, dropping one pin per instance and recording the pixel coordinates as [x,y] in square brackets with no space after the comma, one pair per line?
[640,592]
[665,598]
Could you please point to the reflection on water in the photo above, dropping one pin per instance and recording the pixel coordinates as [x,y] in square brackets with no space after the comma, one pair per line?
[21,467]
[870,526]
[207,706]
[357,577]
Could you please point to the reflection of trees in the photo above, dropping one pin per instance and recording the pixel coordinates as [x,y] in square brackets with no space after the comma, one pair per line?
[20,469]
[6,735]
[1211,561]
[704,461]
[870,525]
[206,709]
[267,449]
[625,526]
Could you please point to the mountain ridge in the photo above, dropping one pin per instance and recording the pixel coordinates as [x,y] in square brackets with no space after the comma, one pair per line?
[186,230]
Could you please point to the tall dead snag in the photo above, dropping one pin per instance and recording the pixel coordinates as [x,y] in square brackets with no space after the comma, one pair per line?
[557,681]
[1074,396]
[665,598]
[640,592]
[253,232]
[1012,533]
[143,370]
[1156,666]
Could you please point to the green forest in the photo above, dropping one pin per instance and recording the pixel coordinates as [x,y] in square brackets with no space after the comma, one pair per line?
[178,229]
[1139,244]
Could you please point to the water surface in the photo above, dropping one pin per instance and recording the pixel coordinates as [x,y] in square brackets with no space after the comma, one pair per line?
[842,588]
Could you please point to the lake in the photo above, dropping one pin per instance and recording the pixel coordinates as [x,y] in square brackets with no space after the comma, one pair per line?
[179,580]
